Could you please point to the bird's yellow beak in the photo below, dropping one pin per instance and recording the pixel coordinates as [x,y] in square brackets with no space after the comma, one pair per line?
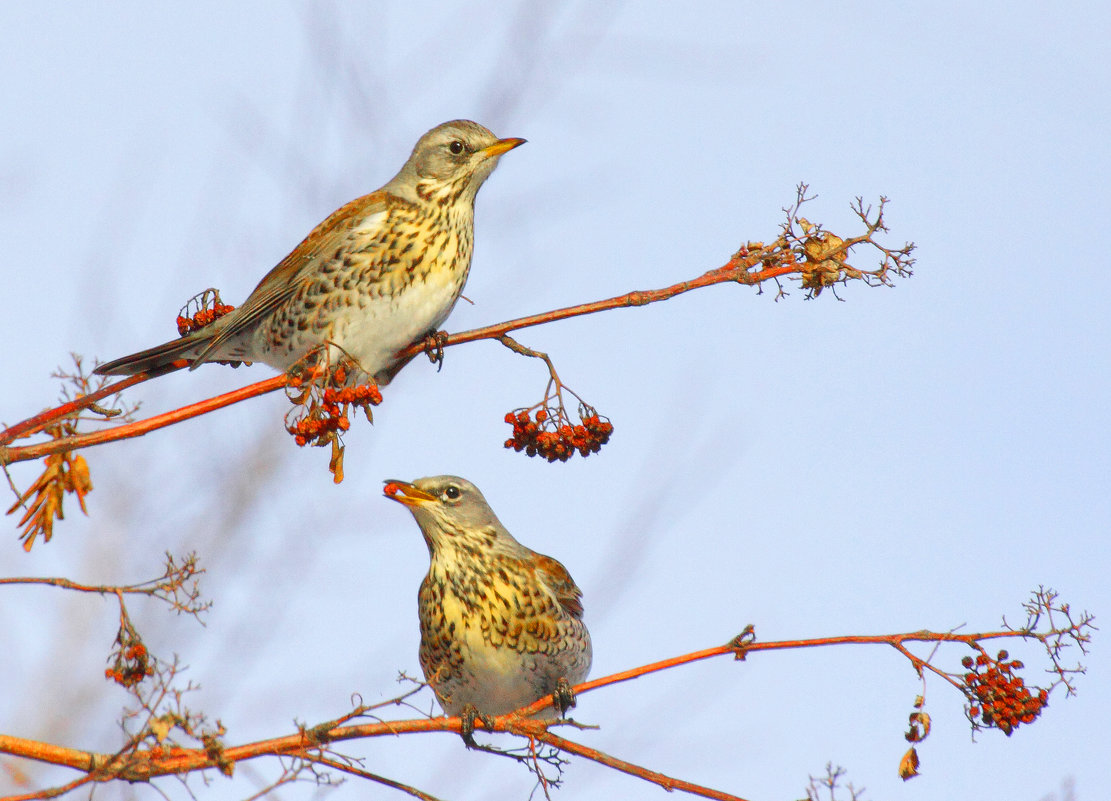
[406,493]
[502,146]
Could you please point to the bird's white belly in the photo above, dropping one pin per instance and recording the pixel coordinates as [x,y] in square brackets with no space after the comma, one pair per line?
[497,680]
[375,329]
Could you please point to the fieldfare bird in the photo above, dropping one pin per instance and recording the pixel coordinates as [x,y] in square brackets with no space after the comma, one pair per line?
[501,625]
[380,273]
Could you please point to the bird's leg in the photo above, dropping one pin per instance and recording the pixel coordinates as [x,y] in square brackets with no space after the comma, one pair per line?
[466,729]
[468,717]
[564,696]
[434,347]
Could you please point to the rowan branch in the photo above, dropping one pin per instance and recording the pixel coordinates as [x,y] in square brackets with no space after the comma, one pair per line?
[149,754]
[322,398]
[11,455]
[178,586]
[32,425]
[803,250]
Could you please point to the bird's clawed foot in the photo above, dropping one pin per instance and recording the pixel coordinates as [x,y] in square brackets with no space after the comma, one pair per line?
[434,347]
[468,716]
[564,696]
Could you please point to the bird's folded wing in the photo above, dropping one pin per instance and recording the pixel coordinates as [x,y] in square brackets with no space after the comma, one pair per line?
[559,581]
[297,269]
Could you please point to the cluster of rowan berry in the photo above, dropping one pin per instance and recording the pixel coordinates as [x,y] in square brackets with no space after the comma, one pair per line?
[320,421]
[203,317]
[997,697]
[551,435]
[131,666]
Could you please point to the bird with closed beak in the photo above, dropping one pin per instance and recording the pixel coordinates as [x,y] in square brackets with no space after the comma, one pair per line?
[382,272]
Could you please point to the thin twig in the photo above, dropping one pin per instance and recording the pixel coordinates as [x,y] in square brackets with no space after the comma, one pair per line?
[667,782]
[43,419]
[374,777]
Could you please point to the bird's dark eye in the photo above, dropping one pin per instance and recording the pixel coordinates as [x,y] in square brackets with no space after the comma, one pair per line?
[456,147]
[451,493]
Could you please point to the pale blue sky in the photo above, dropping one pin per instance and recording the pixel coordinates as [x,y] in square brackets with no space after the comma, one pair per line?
[915,457]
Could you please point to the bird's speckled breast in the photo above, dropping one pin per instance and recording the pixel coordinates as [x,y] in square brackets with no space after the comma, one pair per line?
[495,637]
[393,279]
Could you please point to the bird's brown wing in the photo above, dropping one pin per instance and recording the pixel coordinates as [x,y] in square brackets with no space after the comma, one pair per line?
[559,581]
[295,270]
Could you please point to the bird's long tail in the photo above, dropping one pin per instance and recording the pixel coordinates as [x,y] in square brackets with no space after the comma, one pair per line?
[160,357]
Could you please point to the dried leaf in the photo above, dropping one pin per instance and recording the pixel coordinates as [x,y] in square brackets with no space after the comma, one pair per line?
[908,765]
[336,463]
[65,472]
[919,727]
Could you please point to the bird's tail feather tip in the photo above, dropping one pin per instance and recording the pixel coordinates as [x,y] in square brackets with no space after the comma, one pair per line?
[162,358]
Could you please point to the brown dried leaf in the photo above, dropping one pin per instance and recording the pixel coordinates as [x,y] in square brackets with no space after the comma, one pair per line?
[80,482]
[908,765]
[66,472]
[336,463]
[919,727]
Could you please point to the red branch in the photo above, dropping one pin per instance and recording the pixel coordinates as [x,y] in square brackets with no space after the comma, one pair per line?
[139,427]
[43,419]
[145,764]
[733,271]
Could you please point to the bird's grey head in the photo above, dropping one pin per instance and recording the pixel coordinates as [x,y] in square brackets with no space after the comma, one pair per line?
[451,513]
[453,158]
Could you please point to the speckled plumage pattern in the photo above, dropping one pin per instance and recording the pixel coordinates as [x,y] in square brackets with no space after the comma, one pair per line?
[380,273]
[500,624]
